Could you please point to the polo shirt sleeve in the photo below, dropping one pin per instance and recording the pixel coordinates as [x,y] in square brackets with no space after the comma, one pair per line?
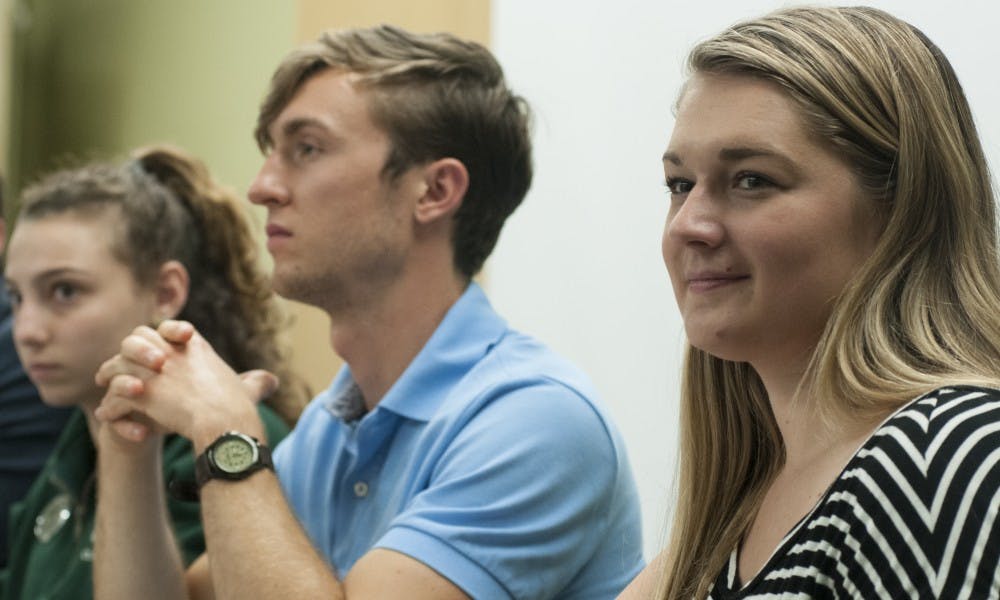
[519,498]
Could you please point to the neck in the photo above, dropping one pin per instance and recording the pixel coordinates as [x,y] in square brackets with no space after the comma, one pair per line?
[806,434]
[381,338]
[803,432]
[88,409]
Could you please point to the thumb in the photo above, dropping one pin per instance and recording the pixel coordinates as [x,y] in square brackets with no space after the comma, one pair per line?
[176,332]
[259,383]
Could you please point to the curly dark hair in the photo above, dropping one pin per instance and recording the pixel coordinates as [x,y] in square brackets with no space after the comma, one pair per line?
[171,209]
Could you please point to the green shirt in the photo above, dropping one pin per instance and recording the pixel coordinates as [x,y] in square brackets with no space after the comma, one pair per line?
[52,529]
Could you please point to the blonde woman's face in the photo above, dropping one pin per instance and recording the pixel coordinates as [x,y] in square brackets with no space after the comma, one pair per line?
[73,303]
[765,226]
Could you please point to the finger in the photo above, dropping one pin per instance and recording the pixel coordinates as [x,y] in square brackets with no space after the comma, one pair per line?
[132,431]
[119,365]
[259,383]
[119,401]
[151,335]
[176,332]
[109,369]
[145,351]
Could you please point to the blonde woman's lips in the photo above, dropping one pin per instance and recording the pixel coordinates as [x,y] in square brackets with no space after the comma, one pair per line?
[706,282]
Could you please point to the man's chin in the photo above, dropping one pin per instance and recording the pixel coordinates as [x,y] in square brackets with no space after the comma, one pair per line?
[296,287]
[285,282]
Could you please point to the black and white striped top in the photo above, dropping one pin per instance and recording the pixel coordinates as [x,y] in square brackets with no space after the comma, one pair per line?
[913,514]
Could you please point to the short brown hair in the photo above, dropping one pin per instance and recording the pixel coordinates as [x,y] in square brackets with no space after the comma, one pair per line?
[435,96]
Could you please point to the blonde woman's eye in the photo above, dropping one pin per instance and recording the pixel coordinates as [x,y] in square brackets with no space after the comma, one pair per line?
[676,185]
[752,181]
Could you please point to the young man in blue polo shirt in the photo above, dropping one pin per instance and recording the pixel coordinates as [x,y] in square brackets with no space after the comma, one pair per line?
[452,457]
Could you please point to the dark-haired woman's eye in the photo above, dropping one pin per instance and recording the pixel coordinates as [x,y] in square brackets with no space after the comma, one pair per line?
[64,292]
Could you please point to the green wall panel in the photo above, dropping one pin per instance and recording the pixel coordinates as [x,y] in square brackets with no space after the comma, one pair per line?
[95,78]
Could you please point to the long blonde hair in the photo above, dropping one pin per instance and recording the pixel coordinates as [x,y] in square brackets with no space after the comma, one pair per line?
[920,313]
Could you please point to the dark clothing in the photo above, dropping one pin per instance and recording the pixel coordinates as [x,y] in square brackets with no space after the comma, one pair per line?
[52,529]
[28,428]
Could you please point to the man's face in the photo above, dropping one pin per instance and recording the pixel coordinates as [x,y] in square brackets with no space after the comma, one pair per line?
[337,229]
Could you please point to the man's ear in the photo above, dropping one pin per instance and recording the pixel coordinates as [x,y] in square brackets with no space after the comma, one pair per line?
[172,285]
[447,180]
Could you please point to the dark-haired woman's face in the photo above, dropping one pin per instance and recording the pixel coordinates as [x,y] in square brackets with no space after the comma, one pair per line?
[73,303]
[765,226]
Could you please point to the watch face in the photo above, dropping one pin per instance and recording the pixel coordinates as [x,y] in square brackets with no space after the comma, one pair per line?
[234,455]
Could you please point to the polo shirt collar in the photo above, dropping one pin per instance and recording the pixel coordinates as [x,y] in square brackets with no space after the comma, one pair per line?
[468,331]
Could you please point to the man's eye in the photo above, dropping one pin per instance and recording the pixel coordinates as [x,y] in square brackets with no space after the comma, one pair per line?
[306,150]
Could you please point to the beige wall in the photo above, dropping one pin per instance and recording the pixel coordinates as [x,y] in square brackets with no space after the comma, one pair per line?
[467,18]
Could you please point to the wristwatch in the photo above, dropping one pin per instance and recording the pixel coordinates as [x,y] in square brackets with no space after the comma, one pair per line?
[232,456]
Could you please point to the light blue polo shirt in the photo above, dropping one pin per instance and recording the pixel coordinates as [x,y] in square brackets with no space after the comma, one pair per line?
[489,460]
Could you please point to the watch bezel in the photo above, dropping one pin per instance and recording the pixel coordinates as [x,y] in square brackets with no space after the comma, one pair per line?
[206,468]
[230,437]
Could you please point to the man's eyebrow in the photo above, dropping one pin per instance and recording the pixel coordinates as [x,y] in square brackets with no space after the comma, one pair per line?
[293,126]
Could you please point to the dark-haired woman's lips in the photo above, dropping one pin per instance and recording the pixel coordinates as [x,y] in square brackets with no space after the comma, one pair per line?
[43,371]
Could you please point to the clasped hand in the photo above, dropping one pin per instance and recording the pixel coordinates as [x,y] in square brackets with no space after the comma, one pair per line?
[171,380]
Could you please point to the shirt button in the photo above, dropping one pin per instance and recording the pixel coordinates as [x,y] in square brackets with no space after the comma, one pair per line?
[360,489]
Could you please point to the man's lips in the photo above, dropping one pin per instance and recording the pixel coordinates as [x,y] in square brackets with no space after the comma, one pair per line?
[277,237]
[273,230]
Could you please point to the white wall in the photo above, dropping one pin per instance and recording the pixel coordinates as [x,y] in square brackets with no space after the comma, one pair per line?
[579,264]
